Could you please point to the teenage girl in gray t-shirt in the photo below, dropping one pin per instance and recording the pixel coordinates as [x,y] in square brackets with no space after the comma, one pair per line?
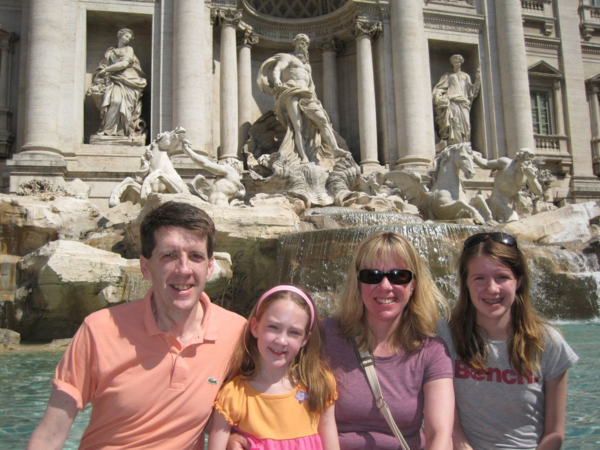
[510,367]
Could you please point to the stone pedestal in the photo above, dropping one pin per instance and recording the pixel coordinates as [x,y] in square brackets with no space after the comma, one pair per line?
[30,165]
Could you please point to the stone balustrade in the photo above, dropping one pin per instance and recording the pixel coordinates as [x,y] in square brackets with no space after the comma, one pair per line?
[590,20]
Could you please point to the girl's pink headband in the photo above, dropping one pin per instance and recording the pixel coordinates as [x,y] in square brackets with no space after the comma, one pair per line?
[294,289]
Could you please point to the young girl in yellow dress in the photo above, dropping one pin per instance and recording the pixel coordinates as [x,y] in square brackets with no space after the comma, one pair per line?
[280,394]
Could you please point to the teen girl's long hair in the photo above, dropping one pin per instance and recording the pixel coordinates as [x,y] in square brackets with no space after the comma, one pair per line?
[308,368]
[526,336]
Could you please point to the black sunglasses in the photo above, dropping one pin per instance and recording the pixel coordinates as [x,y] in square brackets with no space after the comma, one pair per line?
[501,238]
[374,276]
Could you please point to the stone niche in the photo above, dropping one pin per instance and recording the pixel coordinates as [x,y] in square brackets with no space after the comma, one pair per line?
[439,63]
[102,29]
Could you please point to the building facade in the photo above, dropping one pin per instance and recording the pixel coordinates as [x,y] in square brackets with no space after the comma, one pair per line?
[375,64]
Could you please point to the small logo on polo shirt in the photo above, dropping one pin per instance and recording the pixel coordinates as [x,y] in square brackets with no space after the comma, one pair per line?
[212,381]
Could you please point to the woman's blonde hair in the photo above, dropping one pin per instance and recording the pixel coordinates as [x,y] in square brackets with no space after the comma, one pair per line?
[420,316]
[308,368]
[526,336]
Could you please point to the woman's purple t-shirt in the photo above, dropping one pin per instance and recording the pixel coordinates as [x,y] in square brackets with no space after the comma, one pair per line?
[360,424]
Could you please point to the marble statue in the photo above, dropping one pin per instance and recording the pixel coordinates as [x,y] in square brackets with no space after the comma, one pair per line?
[447,199]
[452,99]
[510,175]
[288,77]
[158,175]
[117,88]
[227,185]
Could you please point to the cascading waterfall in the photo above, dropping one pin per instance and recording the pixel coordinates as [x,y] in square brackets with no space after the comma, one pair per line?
[566,283]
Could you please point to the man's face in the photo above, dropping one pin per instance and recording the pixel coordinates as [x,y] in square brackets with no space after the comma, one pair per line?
[178,269]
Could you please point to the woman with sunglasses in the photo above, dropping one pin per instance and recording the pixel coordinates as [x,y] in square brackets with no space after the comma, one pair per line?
[390,307]
[510,367]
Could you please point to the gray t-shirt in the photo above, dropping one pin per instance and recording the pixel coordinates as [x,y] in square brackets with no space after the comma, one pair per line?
[502,409]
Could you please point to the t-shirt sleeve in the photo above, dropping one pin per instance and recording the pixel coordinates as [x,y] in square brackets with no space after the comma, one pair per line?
[437,362]
[558,355]
[228,402]
[75,374]
[332,383]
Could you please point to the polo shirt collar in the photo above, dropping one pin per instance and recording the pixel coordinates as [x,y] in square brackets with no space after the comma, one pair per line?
[208,329]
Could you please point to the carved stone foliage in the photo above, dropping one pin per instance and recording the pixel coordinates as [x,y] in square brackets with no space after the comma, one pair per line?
[295,9]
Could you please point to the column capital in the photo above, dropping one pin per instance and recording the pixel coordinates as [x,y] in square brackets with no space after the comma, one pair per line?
[331,44]
[225,16]
[556,85]
[367,27]
[247,37]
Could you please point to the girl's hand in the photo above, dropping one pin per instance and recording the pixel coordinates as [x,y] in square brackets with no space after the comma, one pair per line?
[238,441]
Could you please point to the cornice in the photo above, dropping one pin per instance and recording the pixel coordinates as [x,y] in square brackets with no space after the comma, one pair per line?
[443,20]
[590,49]
[541,42]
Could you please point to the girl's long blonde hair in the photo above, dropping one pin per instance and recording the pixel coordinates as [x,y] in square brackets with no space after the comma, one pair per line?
[308,368]
[526,341]
[421,314]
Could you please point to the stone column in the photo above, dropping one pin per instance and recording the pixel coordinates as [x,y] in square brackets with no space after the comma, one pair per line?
[245,84]
[558,109]
[192,73]
[415,133]
[42,101]
[516,101]
[584,184]
[6,138]
[41,156]
[228,20]
[367,112]
[5,51]
[329,48]
[593,91]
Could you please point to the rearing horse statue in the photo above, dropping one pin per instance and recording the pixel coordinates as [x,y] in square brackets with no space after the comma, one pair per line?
[447,199]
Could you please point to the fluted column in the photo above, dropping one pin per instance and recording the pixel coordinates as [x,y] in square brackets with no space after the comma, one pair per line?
[245,84]
[416,148]
[228,20]
[516,101]
[42,100]
[192,73]
[367,112]
[329,48]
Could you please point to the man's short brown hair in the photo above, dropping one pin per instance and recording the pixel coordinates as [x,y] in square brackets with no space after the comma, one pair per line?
[176,214]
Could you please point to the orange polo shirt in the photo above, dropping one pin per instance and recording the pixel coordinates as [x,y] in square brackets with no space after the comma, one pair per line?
[146,390]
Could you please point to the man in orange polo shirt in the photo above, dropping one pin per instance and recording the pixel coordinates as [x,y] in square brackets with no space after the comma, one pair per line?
[151,368]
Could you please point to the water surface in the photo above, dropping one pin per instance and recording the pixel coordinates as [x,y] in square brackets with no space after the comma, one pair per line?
[25,388]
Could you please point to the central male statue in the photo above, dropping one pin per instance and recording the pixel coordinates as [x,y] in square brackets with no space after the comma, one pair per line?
[288,77]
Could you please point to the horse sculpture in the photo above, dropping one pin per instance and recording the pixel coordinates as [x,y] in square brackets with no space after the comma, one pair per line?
[157,175]
[447,199]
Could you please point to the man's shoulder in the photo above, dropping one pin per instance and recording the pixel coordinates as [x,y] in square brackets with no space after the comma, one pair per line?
[225,316]
[124,311]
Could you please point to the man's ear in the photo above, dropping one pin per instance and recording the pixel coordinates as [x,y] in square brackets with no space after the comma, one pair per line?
[144,268]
